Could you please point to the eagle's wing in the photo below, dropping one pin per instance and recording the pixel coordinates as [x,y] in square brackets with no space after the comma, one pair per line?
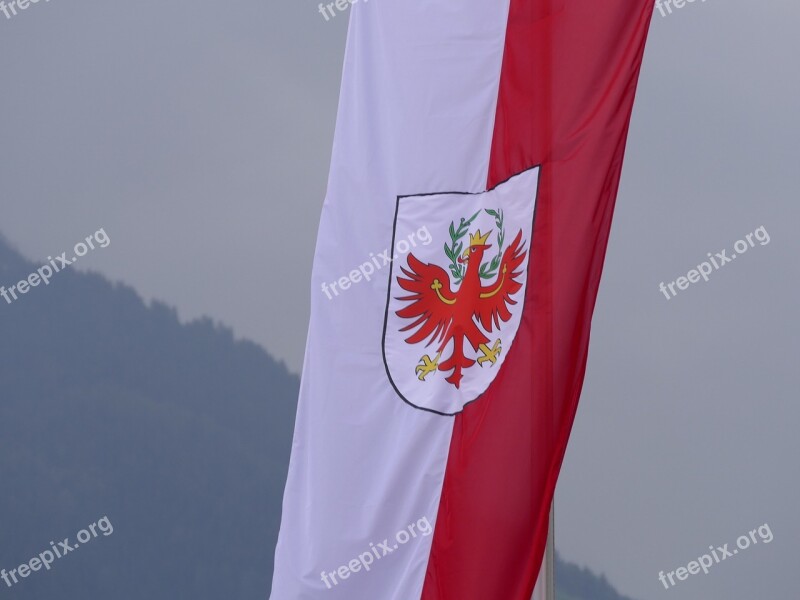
[433,315]
[492,306]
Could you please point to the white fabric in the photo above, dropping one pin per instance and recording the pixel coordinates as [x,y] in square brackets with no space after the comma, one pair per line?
[416,113]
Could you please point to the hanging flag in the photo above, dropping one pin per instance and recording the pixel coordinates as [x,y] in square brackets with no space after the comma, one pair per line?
[475,166]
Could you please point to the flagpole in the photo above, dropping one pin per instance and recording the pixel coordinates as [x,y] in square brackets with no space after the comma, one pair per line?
[547,573]
[550,555]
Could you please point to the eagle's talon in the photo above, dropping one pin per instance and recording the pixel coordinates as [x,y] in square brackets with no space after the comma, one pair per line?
[490,354]
[427,366]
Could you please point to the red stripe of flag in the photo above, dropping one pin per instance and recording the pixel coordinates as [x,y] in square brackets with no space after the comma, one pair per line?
[567,87]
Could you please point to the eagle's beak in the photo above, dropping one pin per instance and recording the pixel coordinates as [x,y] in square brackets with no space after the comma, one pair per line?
[465,256]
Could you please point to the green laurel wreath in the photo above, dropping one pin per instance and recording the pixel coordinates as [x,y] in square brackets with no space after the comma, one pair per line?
[456,246]
[453,251]
[488,271]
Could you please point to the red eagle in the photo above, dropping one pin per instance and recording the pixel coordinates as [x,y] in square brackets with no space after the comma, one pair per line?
[442,314]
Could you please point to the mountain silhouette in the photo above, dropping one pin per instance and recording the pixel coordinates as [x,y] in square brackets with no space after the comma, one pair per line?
[179,434]
[576,583]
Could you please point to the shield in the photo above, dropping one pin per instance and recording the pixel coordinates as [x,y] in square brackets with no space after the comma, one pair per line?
[456,291]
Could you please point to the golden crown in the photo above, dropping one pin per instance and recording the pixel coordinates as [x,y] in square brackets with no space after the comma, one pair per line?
[476,239]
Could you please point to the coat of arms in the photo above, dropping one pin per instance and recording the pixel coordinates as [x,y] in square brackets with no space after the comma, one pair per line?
[455,306]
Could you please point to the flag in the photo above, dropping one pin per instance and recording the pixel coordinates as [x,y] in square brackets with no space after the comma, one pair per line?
[475,166]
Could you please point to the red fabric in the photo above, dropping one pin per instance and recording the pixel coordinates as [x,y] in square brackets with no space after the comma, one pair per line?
[567,87]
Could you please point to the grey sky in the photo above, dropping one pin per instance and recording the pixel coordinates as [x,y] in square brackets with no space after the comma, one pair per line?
[198,135]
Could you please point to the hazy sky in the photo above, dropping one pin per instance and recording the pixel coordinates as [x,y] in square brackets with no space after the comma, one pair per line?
[198,135]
